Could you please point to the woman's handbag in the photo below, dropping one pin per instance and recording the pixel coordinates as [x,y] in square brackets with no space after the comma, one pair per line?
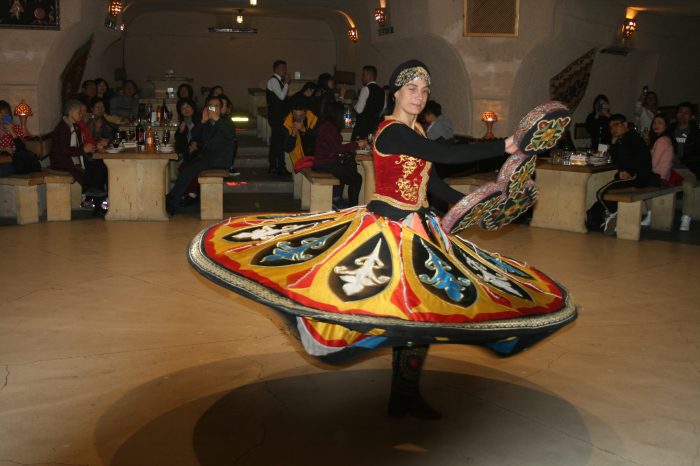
[345,158]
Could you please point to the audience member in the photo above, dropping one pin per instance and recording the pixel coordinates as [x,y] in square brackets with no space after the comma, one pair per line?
[104,93]
[89,90]
[439,127]
[126,104]
[214,137]
[644,109]
[300,126]
[185,91]
[183,134]
[329,144]
[370,104]
[323,95]
[68,151]
[306,94]
[98,126]
[687,135]
[12,143]
[276,95]
[661,145]
[598,123]
[633,160]
[215,91]
[226,111]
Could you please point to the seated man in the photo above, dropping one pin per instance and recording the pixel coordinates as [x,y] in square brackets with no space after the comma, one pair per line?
[687,136]
[633,160]
[439,126]
[215,138]
[300,136]
[69,152]
[126,104]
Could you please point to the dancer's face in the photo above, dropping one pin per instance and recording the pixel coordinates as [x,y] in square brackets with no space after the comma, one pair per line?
[413,96]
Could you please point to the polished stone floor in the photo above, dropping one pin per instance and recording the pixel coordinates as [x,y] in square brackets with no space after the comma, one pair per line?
[114,352]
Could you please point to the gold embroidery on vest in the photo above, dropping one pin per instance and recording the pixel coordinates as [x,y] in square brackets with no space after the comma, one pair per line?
[407,189]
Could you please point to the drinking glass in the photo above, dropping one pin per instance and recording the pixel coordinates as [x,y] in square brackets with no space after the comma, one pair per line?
[116,142]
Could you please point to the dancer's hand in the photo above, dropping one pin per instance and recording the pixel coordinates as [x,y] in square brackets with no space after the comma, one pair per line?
[511,148]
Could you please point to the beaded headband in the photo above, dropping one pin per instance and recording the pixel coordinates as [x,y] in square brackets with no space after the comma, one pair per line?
[409,74]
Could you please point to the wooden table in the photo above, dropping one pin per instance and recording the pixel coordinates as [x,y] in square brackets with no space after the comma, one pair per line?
[137,184]
[566,192]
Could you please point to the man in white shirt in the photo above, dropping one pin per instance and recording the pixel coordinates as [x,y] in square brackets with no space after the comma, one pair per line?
[369,104]
[276,95]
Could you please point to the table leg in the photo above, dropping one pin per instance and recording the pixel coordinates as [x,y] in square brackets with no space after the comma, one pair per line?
[137,189]
[561,203]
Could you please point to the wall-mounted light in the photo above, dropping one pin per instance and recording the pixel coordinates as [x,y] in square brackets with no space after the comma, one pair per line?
[380,16]
[353,35]
[239,19]
[115,8]
[489,118]
[253,2]
[629,26]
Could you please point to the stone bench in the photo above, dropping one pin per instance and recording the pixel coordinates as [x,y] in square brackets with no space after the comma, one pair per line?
[317,190]
[469,183]
[629,209]
[62,194]
[19,197]
[211,195]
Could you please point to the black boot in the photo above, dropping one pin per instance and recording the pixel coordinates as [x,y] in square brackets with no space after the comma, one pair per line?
[405,398]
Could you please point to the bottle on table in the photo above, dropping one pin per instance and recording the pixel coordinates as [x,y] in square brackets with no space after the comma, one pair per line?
[140,134]
[164,113]
[166,137]
[150,140]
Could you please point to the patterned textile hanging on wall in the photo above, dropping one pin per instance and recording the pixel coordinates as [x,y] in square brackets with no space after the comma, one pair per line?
[569,85]
[72,75]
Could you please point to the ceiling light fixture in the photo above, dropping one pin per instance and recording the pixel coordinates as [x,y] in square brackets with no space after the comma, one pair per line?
[253,2]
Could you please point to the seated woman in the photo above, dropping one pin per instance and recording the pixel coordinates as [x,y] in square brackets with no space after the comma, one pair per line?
[101,125]
[185,91]
[185,110]
[323,95]
[12,144]
[104,93]
[69,151]
[329,143]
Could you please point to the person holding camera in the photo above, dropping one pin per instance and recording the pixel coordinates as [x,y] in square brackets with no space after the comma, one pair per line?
[214,137]
[12,144]
[644,110]
[598,124]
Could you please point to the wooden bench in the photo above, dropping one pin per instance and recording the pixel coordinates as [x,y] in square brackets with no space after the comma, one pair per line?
[469,183]
[629,209]
[211,195]
[317,190]
[20,197]
[62,194]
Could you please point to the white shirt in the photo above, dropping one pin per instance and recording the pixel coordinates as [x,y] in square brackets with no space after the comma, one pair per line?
[274,85]
[362,98]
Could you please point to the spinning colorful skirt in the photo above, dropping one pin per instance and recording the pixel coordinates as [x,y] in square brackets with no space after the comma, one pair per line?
[353,280]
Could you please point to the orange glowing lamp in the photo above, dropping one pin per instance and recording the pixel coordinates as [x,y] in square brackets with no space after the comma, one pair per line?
[23,109]
[489,118]
[353,35]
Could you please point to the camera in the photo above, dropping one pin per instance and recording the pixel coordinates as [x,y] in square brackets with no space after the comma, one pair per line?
[7,119]
[212,108]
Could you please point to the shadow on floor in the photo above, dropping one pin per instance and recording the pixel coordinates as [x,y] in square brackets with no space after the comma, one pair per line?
[339,418]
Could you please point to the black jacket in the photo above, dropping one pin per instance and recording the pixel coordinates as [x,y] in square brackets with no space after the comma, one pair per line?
[216,140]
[632,155]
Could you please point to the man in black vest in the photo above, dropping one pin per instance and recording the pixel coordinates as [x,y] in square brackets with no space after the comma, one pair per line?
[276,94]
[369,104]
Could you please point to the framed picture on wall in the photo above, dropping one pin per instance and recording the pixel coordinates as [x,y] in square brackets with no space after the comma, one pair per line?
[29,14]
[491,18]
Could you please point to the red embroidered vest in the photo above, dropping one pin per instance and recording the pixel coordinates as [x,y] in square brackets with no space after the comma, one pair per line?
[401,180]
